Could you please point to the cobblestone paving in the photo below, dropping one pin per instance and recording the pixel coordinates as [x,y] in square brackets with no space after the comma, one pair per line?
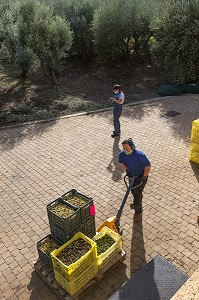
[39,162]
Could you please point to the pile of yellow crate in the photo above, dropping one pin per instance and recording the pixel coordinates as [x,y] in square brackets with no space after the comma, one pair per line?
[75,276]
[105,257]
[194,144]
[65,230]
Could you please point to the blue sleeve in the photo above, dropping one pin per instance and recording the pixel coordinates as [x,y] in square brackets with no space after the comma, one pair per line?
[120,157]
[144,161]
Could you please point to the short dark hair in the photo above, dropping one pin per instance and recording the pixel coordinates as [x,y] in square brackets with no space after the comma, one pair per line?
[117,87]
[129,142]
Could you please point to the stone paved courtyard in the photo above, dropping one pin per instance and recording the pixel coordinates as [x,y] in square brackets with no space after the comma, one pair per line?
[41,161]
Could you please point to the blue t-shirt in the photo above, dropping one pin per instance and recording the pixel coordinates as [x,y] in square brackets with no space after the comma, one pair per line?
[135,162]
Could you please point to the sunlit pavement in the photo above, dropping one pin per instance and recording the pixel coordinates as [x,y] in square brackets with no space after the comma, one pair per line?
[41,161]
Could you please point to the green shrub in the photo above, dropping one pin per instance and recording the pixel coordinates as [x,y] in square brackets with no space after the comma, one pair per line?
[22,109]
[176,34]
[122,31]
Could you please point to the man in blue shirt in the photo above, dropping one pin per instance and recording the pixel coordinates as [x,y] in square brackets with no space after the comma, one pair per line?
[135,163]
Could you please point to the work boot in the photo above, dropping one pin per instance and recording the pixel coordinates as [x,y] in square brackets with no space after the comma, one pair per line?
[114,134]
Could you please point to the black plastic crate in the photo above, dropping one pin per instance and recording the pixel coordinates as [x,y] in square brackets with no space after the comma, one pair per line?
[85,209]
[44,256]
[88,227]
[67,224]
[61,235]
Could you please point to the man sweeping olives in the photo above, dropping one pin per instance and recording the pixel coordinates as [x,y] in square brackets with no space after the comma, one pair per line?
[135,163]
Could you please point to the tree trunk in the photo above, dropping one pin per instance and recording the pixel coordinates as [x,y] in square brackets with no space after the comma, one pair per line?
[50,74]
[23,73]
[127,52]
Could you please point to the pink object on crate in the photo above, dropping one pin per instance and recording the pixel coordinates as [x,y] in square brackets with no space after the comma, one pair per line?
[92,210]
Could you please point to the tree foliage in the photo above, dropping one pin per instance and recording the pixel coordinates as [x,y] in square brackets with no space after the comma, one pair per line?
[47,35]
[9,12]
[176,33]
[129,31]
[79,14]
[36,32]
[122,30]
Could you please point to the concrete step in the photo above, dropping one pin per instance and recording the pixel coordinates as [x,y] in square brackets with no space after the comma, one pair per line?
[190,289]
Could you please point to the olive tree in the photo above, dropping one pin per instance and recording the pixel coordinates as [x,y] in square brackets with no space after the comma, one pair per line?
[48,36]
[9,12]
[122,30]
[79,14]
[176,39]
[24,58]
[12,49]
[136,28]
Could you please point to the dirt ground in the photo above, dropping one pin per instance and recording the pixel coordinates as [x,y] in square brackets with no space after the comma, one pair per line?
[97,82]
[82,88]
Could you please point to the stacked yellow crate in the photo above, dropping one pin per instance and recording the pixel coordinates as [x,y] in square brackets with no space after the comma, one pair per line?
[194,144]
[111,252]
[75,276]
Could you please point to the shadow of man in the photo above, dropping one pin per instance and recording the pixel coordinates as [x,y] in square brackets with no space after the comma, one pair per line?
[114,166]
[140,286]
[138,258]
[136,287]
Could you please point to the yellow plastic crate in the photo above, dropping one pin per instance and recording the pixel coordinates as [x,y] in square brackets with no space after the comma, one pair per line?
[74,270]
[78,282]
[106,256]
[194,144]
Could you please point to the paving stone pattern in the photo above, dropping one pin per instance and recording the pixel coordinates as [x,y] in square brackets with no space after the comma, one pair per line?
[41,161]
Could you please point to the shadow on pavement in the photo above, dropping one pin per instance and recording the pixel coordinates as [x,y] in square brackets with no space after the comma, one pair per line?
[114,167]
[136,289]
[17,133]
[39,289]
[188,112]
[138,258]
[109,284]
[195,168]
[10,136]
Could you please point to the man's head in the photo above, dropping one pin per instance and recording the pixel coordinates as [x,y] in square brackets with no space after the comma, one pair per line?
[128,145]
[117,88]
